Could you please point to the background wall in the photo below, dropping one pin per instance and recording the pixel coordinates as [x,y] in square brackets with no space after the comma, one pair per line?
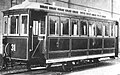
[110,8]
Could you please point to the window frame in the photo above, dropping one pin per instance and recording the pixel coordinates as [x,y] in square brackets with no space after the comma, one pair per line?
[93,21]
[3,31]
[112,23]
[101,29]
[21,24]
[78,26]
[59,24]
[9,26]
[105,29]
[39,34]
[35,28]
[84,20]
[116,30]
[61,34]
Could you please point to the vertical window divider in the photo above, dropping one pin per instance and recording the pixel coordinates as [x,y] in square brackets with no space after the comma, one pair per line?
[69,26]
[79,27]
[16,26]
[103,29]
[70,31]
[95,29]
[113,29]
[110,29]
[59,26]
[87,28]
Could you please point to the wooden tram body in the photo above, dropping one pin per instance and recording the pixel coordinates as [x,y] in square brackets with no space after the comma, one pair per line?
[43,34]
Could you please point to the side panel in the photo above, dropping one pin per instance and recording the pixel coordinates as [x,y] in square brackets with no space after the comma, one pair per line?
[109,45]
[95,43]
[17,48]
[109,42]
[79,43]
[79,46]
[95,46]
[57,44]
[64,47]
[58,48]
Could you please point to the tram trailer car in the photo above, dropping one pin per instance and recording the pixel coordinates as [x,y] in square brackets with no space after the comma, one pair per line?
[42,34]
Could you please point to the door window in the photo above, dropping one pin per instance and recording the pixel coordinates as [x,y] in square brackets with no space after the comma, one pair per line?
[39,26]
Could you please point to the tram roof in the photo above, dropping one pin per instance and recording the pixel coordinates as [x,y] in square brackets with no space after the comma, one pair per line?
[40,6]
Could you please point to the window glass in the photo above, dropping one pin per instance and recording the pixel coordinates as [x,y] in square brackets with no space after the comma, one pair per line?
[42,26]
[54,23]
[14,25]
[83,28]
[74,26]
[5,25]
[92,27]
[99,28]
[111,29]
[24,27]
[116,30]
[107,30]
[39,26]
[64,26]
[35,27]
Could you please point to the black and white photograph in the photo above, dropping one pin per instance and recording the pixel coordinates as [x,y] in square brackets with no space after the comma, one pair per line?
[59,37]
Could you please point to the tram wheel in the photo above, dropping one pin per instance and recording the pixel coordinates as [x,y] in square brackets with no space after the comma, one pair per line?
[91,61]
[96,60]
[67,66]
[112,57]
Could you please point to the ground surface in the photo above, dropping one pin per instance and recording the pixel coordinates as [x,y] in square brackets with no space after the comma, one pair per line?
[108,67]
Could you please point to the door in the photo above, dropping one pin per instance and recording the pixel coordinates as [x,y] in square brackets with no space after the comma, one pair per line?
[38,36]
[38,23]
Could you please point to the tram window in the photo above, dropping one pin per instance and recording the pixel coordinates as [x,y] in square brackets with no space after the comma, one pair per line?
[39,26]
[92,30]
[74,26]
[99,29]
[42,26]
[116,30]
[24,27]
[64,26]
[35,27]
[111,29]
[107,30]
[83,28]
[54,23]
[14,24]
[5,25]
